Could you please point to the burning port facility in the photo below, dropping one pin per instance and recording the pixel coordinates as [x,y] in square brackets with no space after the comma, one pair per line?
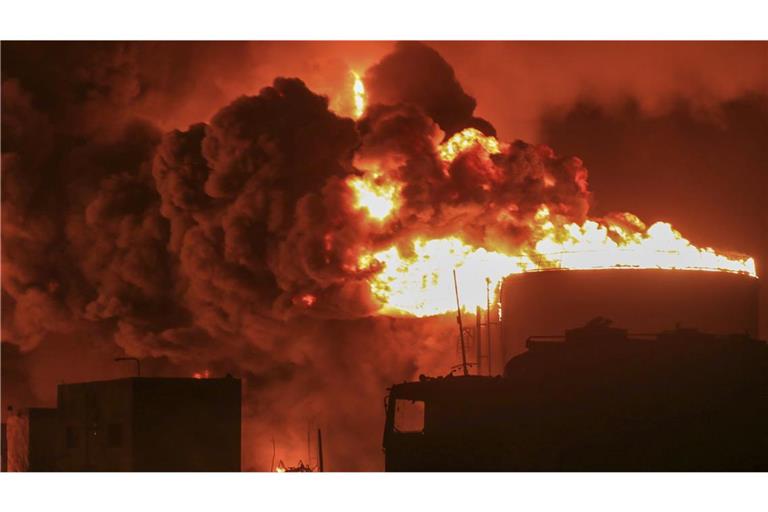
[653,395]
[131,424]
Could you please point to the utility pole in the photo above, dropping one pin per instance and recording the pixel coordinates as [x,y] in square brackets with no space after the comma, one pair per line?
[320,450]
[461,326]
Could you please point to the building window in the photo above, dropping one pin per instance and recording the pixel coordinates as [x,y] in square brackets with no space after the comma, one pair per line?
[73,440]
[115,434]
[409,416]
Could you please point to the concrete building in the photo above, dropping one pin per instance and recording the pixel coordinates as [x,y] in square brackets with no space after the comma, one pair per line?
[139,424]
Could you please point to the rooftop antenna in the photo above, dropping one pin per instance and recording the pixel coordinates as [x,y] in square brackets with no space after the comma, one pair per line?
[321,468]
[479,339]
[488,319]
[136,359]
[461,326]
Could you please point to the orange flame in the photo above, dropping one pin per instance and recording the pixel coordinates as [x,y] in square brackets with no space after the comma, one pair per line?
[464,140]
[358,90]
[418,280]
[205,374]
[374,195]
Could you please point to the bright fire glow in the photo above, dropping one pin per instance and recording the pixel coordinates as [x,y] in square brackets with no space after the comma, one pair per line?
[358,90]
[607,245]
[374,195]
[420,283]
[202,375]
[464,140]
[416,278]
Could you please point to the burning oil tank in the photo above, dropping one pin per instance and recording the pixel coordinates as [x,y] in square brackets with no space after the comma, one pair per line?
[640,300]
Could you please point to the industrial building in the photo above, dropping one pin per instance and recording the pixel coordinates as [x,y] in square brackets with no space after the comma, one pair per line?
[132,424]
[596,399]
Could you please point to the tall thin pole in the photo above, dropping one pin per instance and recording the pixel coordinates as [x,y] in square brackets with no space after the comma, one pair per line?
[461,326]
[488,319]
[272,466]
[320,450]
[478,338]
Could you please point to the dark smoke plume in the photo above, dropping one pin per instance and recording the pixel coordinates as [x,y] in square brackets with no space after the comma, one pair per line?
[416,74]
[195,249]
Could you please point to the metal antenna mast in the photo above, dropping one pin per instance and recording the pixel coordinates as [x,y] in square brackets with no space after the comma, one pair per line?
[461,326]
[321,466]
[488,319]
[479,339]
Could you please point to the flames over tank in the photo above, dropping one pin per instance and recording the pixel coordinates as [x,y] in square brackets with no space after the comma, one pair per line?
[412,277]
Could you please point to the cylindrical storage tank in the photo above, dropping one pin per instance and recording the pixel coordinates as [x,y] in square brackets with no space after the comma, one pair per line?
[640,300]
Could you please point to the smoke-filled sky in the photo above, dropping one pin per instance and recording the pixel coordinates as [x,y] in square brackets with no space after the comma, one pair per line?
[175,201]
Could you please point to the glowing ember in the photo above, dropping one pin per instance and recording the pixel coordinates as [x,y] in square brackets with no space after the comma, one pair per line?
[202,375]
[374,195]
[308,299]
[358,90]
[464,140]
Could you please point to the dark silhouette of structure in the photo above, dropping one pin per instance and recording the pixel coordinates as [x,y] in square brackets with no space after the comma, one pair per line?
[3,448]
[596,399]
[641,300]
[133,424]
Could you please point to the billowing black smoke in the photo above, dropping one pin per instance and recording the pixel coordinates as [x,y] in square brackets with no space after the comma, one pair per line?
[193,249]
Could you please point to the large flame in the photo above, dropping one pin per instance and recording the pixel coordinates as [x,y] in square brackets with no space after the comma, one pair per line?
[416,279]
[358,90]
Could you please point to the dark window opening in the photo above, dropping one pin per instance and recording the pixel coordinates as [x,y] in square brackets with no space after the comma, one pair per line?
[115,434]
[73,440]
[409,416]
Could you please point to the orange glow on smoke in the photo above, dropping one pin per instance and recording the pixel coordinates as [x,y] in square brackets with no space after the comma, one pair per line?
[415,278]
[308,299]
